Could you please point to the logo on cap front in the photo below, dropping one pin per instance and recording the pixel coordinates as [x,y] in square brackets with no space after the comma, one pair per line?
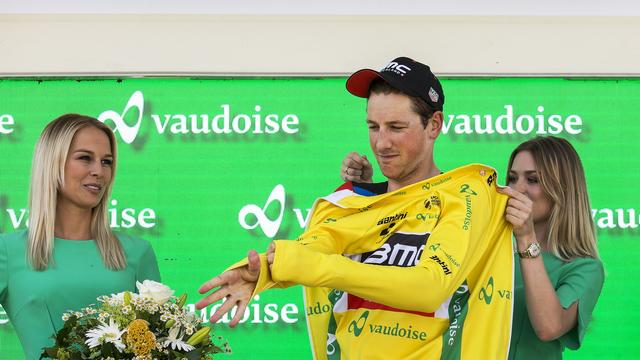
[433,95]
[397,68]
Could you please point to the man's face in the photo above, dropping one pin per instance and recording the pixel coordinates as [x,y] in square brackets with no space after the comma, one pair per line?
[398,139]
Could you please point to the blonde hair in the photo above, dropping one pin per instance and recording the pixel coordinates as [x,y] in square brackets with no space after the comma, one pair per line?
[561,175]
[47,177]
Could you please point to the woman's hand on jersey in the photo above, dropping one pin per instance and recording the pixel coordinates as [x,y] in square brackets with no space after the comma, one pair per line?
[519,211]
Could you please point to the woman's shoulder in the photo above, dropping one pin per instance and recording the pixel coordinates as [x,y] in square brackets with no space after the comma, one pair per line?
[19,234]
[132,242]
[587,262]
[585,267]
[16,238]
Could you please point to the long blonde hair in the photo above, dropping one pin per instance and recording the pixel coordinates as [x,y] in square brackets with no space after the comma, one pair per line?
[47,177]
[561,175]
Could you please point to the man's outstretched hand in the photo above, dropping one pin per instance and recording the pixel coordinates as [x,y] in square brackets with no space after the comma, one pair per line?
[235,286]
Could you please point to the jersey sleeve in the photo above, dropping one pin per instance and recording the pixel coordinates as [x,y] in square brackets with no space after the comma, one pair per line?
[148,265]
[320,239]
[583,283]
[4,275]
[453,249]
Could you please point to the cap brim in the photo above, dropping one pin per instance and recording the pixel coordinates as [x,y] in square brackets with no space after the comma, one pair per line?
[359,82]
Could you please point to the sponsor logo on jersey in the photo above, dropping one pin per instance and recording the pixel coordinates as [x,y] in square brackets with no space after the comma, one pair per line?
[492,178]
[486,292]
[432,201]
[427,216]
[393,218]
[429,185]
[466,189]
[436,246]
[357,327]
[442,264]
[399,250]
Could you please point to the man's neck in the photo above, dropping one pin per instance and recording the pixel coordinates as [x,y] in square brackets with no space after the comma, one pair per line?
[429,173]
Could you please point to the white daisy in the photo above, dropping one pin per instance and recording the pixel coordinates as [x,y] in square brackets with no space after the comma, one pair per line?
[175,340]
[105,334]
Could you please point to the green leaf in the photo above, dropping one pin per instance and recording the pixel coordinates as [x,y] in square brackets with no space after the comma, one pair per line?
[108,349]
[194,354]
[67,328]
[49,352]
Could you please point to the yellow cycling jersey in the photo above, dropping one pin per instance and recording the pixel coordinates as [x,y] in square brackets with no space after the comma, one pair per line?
[423,272]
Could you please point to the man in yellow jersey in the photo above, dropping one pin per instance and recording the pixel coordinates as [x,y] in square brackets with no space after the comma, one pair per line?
[419,267]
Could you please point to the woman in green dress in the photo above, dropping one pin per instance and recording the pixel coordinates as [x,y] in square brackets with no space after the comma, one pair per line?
[558,274]
[69,256]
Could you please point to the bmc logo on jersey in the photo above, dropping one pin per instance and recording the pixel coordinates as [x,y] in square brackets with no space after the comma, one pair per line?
[400,250]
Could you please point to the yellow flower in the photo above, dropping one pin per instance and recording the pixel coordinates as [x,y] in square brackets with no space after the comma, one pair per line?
[139,339]
[62,354]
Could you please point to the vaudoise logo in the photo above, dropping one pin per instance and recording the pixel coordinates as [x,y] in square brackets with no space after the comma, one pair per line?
[252,216]
[127,133]
[269,227]
[222,120]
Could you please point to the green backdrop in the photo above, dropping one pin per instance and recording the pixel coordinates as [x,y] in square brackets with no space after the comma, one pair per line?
[210,168]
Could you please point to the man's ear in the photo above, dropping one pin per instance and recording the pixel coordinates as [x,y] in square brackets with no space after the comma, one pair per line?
[434,126]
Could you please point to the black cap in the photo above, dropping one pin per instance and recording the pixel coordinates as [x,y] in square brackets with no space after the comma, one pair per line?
[409,76]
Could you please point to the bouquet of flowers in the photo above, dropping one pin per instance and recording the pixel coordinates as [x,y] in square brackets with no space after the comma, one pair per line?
[150,325]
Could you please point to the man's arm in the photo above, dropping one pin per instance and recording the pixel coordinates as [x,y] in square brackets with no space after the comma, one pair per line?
[248,277]
[452,251]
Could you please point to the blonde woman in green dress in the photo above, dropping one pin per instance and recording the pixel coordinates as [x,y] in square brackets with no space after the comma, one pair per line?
[558,274]
[69,256]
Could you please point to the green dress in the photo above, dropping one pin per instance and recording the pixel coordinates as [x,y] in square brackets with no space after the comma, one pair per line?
[35,300]
[579,280]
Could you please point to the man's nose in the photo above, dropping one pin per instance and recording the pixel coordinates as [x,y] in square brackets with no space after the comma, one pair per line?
[384,140]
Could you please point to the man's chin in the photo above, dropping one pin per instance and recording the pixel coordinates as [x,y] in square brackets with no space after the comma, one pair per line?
[389,173]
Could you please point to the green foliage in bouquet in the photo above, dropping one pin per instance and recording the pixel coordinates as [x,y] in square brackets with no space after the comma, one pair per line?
[150,325]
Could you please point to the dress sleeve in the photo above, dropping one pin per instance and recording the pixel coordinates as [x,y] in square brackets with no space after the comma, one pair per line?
[582,283]
[463,221]
[4,274]
[148,265]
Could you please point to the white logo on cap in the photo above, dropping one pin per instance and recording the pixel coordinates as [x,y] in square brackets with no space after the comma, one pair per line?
[397,68]
[433,95]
